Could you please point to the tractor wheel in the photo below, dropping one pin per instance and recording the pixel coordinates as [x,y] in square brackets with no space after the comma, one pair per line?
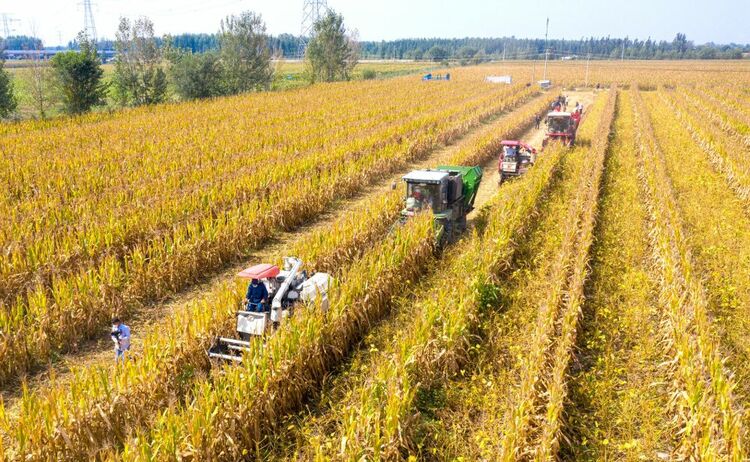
[461,225]
[447,236]
[500,180]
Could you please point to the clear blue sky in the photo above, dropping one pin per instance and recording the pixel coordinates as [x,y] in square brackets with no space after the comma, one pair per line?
[720,21]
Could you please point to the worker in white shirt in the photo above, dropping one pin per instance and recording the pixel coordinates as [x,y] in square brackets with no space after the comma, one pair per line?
[121,337]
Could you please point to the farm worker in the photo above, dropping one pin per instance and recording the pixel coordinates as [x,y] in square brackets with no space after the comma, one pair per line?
[576,116]
[537,121]
[257,295]
[448,76]
[417,198]
[121,337]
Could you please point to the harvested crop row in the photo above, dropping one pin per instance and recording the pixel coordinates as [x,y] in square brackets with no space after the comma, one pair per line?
[81,304]
[708,417]
[717,234]
[721,114]
[157,378]
[729,100]
[619,394]
[435,346]
[727,157]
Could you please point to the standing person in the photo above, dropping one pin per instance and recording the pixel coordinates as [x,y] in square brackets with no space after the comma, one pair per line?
[121,336]
[537,121]
[257,296]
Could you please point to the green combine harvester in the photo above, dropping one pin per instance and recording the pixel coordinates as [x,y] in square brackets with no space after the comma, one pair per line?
[449,191]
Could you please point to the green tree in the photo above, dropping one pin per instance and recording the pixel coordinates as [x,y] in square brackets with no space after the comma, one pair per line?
[332,52]
[7,98]
[139,78]
[437,53]
[37,83]
[245,55]
[78,75]
[197,76]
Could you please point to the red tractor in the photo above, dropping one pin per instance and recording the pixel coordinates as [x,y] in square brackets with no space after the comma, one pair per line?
[562,126]
[515,159]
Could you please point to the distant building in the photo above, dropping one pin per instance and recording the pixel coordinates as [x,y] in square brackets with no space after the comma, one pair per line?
[106,55]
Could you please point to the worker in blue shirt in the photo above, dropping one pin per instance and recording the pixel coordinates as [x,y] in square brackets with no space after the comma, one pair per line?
[121,337]
[257,296]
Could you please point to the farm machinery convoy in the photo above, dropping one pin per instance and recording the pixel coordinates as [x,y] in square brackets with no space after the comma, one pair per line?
[448,192]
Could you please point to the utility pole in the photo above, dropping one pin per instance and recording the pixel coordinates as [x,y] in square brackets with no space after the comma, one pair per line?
[8,21]
[312,10]
[89,27]
[588,60]
[546,50]
[622,56]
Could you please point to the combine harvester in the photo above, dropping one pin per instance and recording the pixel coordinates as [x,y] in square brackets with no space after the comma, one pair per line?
[515,159]
[562,126]
[449,191]
[286,289]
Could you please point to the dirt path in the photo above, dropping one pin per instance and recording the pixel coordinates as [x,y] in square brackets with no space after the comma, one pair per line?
[99,352]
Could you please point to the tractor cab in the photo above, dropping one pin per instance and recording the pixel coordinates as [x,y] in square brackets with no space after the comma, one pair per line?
[426,190]
[448,191]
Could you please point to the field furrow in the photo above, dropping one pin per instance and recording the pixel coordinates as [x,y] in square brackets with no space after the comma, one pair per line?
[708,416]
[619,394]
[727,157]
[717,235]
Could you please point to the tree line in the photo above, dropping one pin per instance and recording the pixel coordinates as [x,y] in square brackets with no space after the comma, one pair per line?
[147,68]
[516,48]
[438,49]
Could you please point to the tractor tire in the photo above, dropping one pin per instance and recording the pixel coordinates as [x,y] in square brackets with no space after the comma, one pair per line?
[447,236]
[500,180]
[461,225]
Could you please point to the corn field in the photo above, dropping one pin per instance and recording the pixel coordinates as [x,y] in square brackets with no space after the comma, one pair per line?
[597,307]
